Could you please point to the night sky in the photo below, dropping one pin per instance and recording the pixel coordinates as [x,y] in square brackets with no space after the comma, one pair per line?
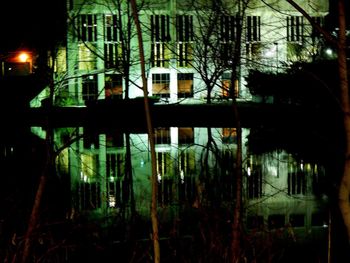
[28,24]
[36,23]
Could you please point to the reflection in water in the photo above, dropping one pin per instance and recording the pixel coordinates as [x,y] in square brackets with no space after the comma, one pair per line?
[195,168]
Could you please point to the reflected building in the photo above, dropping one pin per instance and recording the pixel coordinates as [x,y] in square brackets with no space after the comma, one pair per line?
[194,53]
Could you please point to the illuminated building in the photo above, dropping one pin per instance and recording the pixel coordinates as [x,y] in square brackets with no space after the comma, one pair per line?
[189,49]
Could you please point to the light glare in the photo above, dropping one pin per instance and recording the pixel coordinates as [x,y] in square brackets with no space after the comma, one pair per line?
[23,57]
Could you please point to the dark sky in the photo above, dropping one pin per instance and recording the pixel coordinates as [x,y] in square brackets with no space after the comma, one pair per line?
[30,23]
[33,23]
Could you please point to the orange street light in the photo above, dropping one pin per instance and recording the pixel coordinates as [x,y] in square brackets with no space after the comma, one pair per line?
[23,57]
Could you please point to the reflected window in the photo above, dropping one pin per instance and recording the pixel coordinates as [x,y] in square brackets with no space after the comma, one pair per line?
[297,220]
[276,221]
[115,165]
[165,180]
[163,164]
[319,219]
[162,136]
[114,139]
[186,169]
[297,183]
[187,163]
[254,181]
[186,135]
[229,135]
[90,139]
[255,222]
[89,188]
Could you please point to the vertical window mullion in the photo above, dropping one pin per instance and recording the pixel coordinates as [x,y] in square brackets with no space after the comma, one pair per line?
[115,28]
[191,28]
[186,25]
[167,37]
[89,27]
[255,28]
[156,28]
[233,28]
[94,28]
[163,29]
[292,27]
[83,27]
[249,28]
[152,28]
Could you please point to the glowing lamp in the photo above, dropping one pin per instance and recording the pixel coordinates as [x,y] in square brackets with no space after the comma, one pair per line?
[23,57]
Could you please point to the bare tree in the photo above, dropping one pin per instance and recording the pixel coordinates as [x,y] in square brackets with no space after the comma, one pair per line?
[154,217]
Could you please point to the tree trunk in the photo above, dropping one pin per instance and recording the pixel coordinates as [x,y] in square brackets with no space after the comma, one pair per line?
[236,226]
[47,169]
[150,132]
[344,188]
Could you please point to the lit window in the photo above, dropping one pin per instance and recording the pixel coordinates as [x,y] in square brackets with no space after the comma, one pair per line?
[113,55]
[253,28]
[228,34]
[184,30]
[87,56]
[114,86]
[228,28]
[160,36]
[90,92]
[87,28]
[111,28]
[160,85]
[295,29]
[185,85]
[226,86]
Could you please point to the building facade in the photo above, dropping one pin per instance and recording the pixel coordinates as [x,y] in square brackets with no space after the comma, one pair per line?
[195,52]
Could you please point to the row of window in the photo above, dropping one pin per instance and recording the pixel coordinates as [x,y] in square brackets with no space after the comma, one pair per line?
[161,51]
[160,86]
[162,136]
[160,28]
[277,221]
